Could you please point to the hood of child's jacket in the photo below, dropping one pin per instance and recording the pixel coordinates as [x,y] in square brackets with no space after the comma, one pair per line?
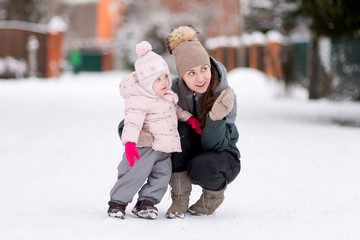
[130,86]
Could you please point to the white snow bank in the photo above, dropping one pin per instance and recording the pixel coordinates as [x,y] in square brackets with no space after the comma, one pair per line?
[59,151]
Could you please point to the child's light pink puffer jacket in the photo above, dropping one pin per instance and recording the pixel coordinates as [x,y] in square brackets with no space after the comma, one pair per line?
[142,107]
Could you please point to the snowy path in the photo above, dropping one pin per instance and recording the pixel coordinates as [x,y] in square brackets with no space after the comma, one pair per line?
[59,151]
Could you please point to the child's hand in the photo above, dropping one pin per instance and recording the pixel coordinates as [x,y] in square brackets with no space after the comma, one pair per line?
[131,152]
[194,123]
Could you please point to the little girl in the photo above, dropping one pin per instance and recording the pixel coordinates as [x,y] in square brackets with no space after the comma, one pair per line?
[148,101]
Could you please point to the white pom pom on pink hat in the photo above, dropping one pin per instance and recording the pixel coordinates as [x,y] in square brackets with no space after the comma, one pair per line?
[143,48]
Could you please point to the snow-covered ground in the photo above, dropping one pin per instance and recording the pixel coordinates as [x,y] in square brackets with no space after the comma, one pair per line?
[59,151]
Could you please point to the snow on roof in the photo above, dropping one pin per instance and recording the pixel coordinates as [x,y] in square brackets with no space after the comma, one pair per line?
[57,24]
[216,42]
[258,38]
[74,2]
[274,36]
[266,4]
[234,41]
[299,37]
[246,39]
[32,27]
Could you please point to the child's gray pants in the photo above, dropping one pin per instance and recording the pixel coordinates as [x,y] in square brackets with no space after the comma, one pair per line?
[154,166]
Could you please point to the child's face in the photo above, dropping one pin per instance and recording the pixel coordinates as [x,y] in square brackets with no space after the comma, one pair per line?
[161,84]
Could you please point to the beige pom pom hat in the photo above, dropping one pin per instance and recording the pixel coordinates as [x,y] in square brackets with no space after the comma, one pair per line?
[184,44]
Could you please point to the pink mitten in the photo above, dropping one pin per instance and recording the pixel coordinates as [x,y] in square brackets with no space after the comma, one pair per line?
[131,152]
[194,123]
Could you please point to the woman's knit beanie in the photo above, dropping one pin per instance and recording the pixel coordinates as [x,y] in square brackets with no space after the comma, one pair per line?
[183,43]
[149,65]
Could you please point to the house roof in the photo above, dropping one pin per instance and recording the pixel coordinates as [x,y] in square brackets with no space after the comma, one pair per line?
[32,27]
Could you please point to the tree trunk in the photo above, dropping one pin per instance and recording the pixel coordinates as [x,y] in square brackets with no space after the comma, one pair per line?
[315,69]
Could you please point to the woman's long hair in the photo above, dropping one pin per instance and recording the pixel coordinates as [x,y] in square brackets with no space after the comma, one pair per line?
[209,97]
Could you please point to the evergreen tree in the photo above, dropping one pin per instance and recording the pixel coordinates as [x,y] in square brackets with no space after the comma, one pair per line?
[34,11]
[269,15]
[332,18]
[23,10]
[325,18]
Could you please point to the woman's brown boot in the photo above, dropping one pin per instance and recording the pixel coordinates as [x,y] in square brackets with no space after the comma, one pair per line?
[207,204]
[180,192]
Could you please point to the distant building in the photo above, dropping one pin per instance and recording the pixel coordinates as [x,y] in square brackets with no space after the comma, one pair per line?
[224,16]
[224,21]
[31,50]
[92,27]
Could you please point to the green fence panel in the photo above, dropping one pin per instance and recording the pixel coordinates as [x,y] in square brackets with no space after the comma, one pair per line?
[345,60]
[91,61]
[300,50]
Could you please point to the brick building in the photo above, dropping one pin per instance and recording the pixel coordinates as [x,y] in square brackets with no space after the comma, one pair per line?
[92,27]
[223,21]
[31,50]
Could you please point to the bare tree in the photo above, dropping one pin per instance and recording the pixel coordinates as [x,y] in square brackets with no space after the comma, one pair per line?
[149,20]
[35,11]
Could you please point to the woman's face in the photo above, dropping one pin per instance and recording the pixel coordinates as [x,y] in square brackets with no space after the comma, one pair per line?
[198,78]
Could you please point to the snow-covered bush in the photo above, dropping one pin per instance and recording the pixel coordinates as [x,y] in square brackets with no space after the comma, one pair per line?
[12,68]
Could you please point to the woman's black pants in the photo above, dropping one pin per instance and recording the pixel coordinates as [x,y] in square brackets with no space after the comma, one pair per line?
[209,169]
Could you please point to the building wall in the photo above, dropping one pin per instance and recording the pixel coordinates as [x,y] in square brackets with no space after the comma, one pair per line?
[92,28]
[55,54]
[225,15]
[109,14]
[15,38]
[178,6]
[82,21]
[227,19]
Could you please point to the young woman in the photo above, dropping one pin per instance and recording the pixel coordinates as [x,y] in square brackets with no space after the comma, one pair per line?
[212,159]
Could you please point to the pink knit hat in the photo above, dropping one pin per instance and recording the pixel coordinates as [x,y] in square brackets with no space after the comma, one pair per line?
[149,65]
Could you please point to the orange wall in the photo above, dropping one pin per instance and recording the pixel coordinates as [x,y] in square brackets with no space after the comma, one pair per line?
[104,20]
[273,61]
[54,54]
[253,57]
[109,13]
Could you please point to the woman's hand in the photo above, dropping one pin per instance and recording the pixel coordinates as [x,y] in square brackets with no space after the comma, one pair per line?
[223,105]
[145,137]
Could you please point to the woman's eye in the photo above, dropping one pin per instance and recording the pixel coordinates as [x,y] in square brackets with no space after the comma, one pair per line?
[191,73]
[204,68]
